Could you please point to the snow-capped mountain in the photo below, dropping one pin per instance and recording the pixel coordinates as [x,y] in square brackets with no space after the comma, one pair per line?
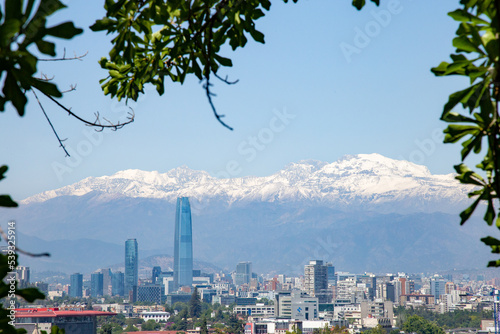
[363,213]
[368,181]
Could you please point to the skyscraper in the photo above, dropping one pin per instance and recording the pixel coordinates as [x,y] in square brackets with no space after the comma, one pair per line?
[76,285]
[23,276]
[155,274]
[243,273]
[117,283]
[96,284]
[183,244]
[131,265]
[316,281]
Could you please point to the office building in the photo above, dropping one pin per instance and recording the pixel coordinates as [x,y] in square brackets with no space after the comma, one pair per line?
[438,287]
[96,284]
[118,284]
[131,265]
[183,244]
[148,293]
[106,281]
[76,285]
[243,273]
[23,276]
[332,279]
[156,275]
[295,305]
[316,281]
[34,320]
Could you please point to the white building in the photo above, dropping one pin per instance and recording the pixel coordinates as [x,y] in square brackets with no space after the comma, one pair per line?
[154,315]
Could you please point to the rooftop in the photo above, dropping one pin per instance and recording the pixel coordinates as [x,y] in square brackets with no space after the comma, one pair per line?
[55,312]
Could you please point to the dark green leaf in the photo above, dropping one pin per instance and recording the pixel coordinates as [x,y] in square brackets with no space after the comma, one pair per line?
[7,202]
[14,94]
[66,30]
[45,47]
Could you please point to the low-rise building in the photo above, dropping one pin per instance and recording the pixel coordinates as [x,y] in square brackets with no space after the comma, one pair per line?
[72,321]
[154,315]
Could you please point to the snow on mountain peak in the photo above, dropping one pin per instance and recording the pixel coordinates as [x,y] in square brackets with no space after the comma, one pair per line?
[363,179]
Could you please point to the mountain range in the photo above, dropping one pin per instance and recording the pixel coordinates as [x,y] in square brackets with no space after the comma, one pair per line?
[363,212]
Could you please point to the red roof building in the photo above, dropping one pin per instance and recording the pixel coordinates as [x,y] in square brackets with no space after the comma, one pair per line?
[74,321]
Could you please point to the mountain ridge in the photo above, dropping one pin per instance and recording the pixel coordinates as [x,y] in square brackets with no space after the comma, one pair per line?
[368,180]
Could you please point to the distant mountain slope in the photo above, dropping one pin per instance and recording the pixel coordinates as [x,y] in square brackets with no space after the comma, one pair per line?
[366,181]
[363,213]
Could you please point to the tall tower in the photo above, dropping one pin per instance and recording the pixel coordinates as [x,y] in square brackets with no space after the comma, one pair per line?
[131,265]
[183,244]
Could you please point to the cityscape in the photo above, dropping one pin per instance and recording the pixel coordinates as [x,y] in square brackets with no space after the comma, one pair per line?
[321,296]
[250,167]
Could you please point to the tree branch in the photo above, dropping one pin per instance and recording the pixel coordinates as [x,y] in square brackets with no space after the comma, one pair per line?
[19,250]
[75,57]
[52,126]
[97,123]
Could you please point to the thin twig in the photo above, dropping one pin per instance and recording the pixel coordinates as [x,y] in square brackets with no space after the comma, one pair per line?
[52,126]
[71,88]
[226,80]
[209,97]
[97,122]
[64,57]
[19,250]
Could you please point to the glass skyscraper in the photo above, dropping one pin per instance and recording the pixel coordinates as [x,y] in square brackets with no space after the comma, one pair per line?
[76,285]
[131,265]
[183,244]
[96,284]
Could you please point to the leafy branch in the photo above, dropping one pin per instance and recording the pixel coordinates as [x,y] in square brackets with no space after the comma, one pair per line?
[477,125]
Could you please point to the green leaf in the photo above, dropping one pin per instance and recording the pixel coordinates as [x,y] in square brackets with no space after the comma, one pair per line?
[46,87]
[494,263]
[223,61]
[7,202]
[45,47]
[13,9]
[358,4]
[457,97]
[30,294]
[3,170]
[103,24]
[66,30]
[14,94]
[462,43]
[454,117]
[465,215]
[257,36]
[8,30]
[462,15]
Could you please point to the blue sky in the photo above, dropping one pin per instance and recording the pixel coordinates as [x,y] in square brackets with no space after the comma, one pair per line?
[378,96]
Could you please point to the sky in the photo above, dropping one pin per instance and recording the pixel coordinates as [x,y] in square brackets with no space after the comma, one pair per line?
[329,81]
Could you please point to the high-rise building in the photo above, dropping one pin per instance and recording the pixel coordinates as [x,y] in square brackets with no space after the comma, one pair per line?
[183,244]
[118,284]
[156,274]
[131,265]
[23,276]
[316,281]
[106,281]
[332,279]
[96,284]
[243,273]
[438,286]
[76,285]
